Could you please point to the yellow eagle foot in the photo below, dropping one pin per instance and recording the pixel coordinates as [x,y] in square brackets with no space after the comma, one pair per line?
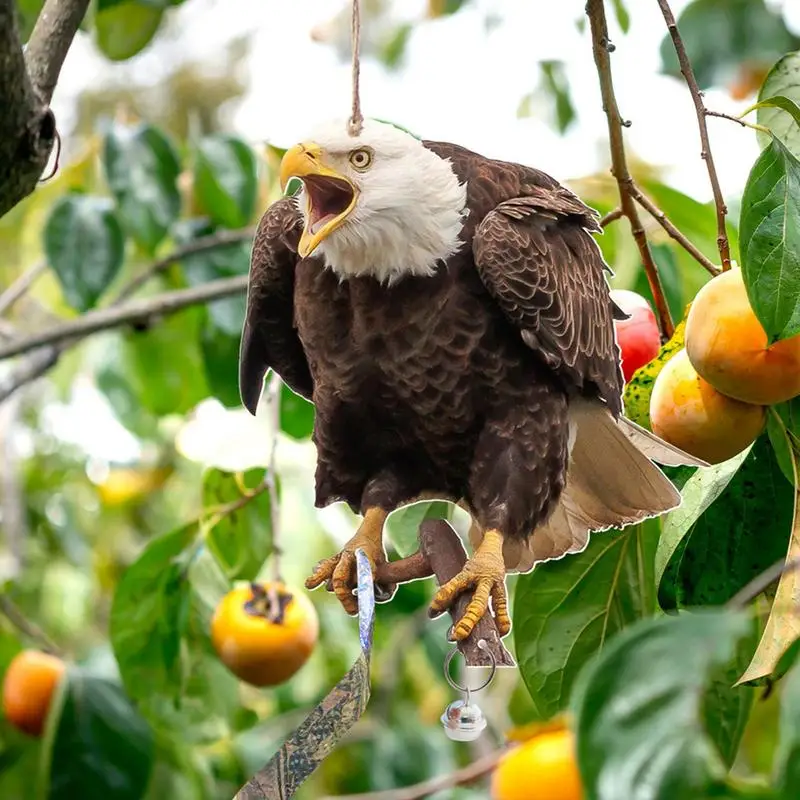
[485,573]
[339,572]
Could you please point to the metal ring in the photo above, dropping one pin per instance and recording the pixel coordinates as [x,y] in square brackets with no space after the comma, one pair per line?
[483,646]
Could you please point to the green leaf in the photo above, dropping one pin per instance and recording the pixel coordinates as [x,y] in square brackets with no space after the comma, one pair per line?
[220,356]
[770,241]
[556,84]
[101,746]
[741,533]
[782,79]
[403,524]
[787,756]
[226,179]
[242,539]
[622,15]
[745,31]
[296,414]
[698,493]
[123,29]
[85,246]
[148,619]
[564,611]
[641,708]
[142,168]
[783,427]
[163,365]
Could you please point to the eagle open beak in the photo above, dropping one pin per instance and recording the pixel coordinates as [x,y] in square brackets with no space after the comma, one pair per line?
[330,196]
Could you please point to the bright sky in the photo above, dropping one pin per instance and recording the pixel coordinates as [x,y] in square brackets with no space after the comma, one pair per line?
[459,84]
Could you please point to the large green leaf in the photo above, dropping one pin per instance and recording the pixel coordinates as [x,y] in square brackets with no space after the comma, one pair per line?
[100,746]
[787,757]
[163,365]
[149,615]
[698,493]
[741,533]
[220,352]
[226,179]
[142,168]
[783,427]
[783,79]
[743,31]
[125,27]
[770,240]
[85,246]
[642,709]
[242,539]
[565,611]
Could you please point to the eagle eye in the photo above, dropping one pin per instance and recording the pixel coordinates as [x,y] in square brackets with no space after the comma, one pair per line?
[361,158]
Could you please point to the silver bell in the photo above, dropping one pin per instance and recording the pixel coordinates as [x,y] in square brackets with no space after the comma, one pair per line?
[463,721]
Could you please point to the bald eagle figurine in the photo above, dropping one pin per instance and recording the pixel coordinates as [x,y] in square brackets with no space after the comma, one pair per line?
[449,318]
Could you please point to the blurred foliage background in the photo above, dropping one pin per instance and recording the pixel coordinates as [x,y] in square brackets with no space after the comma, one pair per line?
[119,441]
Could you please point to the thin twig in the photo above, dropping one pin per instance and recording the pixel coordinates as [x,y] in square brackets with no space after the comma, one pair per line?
[670,228]
[619,166]
[461,777]
[356,120]
[612,216]
[9,609]
[202,245]
[762,582]
[705,153]
[33,367]
[136,311]
[21,285]
[273,398]
[743,122]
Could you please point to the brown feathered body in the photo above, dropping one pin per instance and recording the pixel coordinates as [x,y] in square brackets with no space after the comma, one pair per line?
[469,384]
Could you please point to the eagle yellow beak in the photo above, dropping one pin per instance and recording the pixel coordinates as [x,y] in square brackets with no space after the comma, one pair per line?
[330,196]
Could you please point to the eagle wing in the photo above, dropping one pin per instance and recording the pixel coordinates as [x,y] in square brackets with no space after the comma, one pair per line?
[269,336]
[537,258]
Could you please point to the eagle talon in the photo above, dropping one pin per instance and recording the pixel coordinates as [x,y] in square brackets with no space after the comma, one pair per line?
[485,573]
[338,572]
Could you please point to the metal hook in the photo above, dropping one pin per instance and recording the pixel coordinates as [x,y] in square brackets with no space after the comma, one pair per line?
[484,646]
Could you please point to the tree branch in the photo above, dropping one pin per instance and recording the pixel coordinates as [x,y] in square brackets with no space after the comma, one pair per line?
[667,225]
[201,245]
[27,126]
[460,777]
[612,216]
[50,41]
[116,316]
[21,285]
[42,361]
[619,165]
[700,110]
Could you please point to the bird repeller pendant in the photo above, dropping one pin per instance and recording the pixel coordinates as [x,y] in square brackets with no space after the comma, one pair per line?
[463,719]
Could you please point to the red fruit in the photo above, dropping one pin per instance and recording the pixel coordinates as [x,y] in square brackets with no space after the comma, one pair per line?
[638,337]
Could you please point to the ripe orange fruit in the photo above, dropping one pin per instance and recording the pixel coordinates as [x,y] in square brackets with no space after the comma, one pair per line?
[261,645]
[690,413]
[28,686]
[728,347]
[543,768]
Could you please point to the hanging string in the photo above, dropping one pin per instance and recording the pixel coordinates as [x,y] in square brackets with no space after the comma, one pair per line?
[356,121]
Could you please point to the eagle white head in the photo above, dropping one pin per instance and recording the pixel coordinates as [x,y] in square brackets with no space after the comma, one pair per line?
[379,204]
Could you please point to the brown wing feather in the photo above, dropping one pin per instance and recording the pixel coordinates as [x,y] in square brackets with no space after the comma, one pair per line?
[269,337]
[536,257]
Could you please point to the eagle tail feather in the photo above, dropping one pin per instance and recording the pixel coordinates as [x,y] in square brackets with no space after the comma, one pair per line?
[611,482]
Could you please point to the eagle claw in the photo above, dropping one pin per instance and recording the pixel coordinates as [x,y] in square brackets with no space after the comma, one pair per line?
[485,573]
[338,572]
